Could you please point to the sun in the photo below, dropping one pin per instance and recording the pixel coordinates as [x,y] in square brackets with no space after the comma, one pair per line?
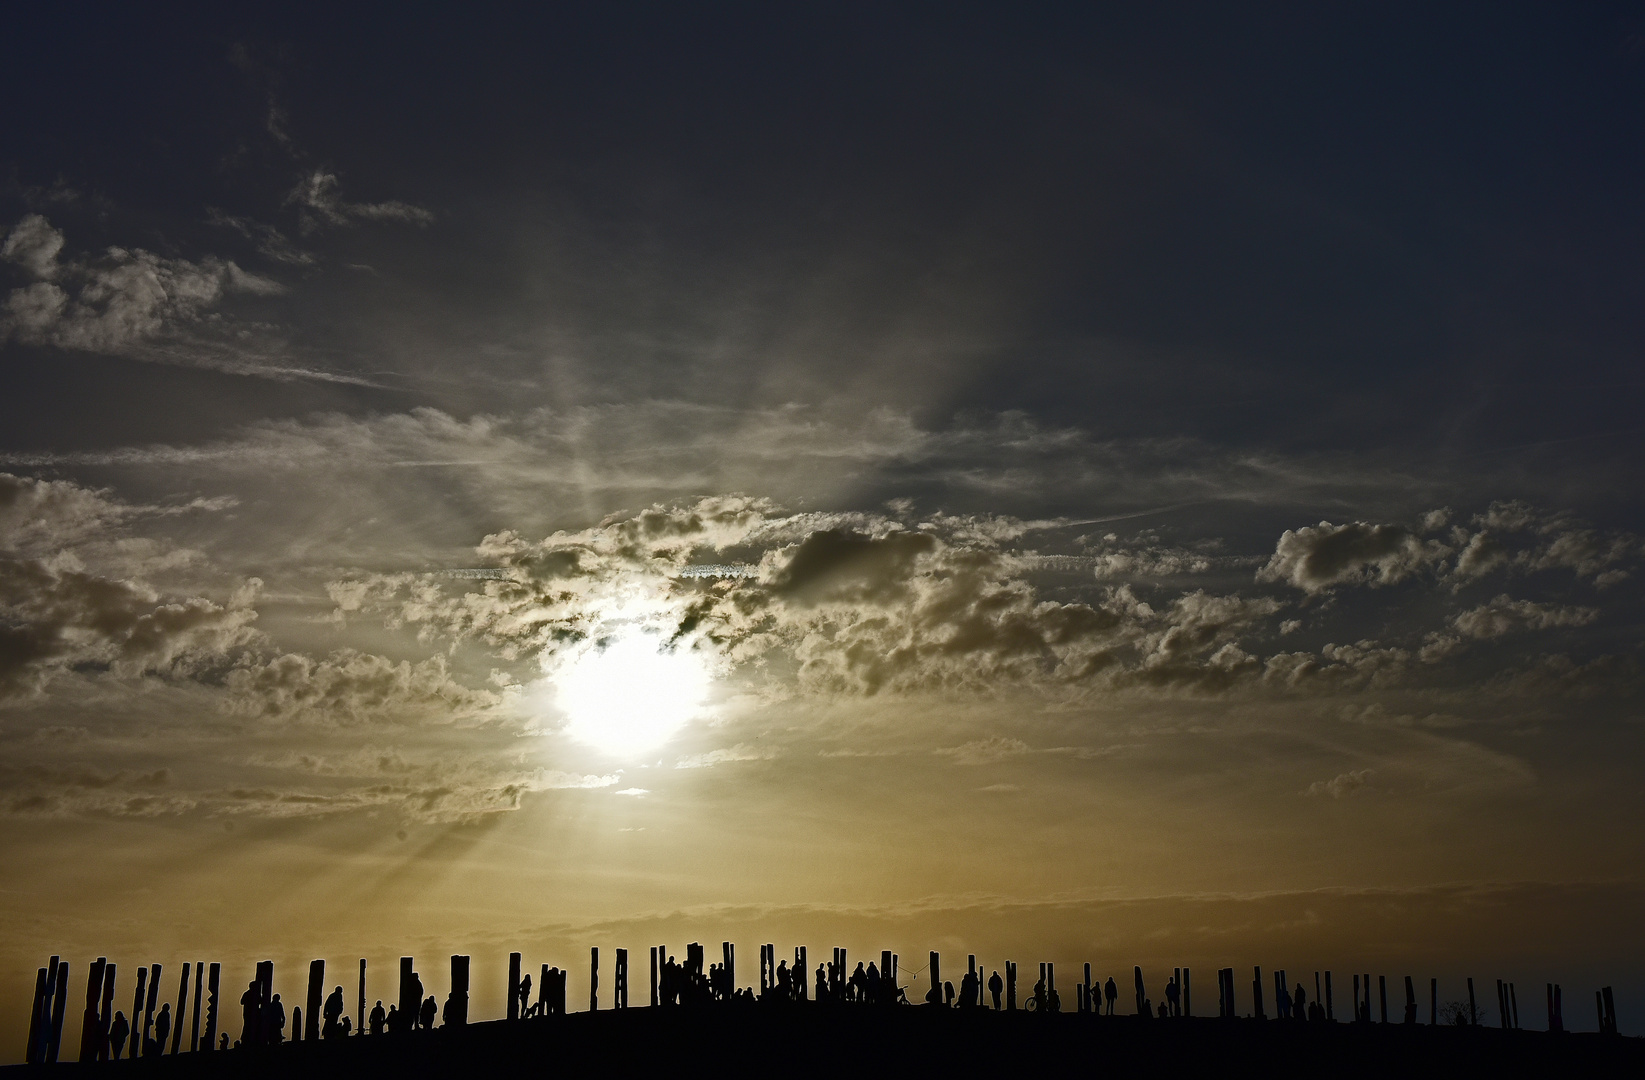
[631,696]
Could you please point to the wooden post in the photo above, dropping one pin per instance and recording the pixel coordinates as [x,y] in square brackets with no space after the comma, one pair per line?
[513,986]
[936,975]
[137,1010]
[406,1007]
[199,986]
[1513,1006]
[1501,1005]
[88,1019]
[1599,1008]
[1089,1007]
[1356,997]
[151,1001]
[265,984]
[802,977]
[1136,973]
[543,995]
[296,1023]
[316,998]
[213,986]
[1187,985]
[360,1021]
[1256,995]
[594,979]
[1610,1008]
[1410,1001]
[730,965]
[620,993]
[182,1006]
[105,1016]
[1382,990]
[31,1054]
[59,1006]
[653,976]
[1050,980]
[1433,1002]
[459,990]
[1473,1012]
[1010,986]
[1559,1007]
[1330,1014]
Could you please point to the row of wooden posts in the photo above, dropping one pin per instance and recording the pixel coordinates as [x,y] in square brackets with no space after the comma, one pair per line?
[51,996]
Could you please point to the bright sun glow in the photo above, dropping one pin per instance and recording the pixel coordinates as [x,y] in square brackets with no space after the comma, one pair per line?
[629,697]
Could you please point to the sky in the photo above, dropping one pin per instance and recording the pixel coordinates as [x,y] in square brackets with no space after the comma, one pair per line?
[1127,485]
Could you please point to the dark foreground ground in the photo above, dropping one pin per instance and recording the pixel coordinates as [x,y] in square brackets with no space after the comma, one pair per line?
[869,1042]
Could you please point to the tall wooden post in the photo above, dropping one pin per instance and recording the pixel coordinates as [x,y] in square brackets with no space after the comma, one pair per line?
[1137,975]
[182,1006]
[265,984]
[1382,992]
[1089,1007]
[654,978]
[1513,1005]
[1433,1002]
[137,1009]
[1010,986]
[1330,1012]
[513,986]
[407,1005]
[59,1006]
[459,989]
[594,979]
[37,1014]
[151,1001]
[1356,998]
[1187,985]
[729,953]
[213,986]
[105,1015]
[360,1020]
[316,999]
[1256,995]
[1410,1001]
[199,986]
[620,994]
[88,1019]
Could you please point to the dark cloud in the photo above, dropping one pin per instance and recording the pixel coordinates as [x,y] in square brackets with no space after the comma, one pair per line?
[319,199]
[1316,558]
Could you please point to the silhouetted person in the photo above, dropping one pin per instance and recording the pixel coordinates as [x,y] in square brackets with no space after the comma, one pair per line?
[1111,992]
[274,1020]
[968,990]
[1039,996]
[1053,1000]
[118,1030]
[1173,997]
[392,1022]
[948,994]
[1299,1003]
[1147,1009]
[785,982]
[995,985]
[933,996]
[430,1007]
[162,1029]
[524,993]
[1316,1012]
[822,983]
[251,1004]
[871,984]
[378,1019]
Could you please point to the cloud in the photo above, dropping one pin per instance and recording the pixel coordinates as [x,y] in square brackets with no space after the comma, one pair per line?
[636,792]
[350,687]
[740,752]
[1341,785]
[1504,615]
[985,751]
[34,245]
[318,197]
[115,301]
[1316,558]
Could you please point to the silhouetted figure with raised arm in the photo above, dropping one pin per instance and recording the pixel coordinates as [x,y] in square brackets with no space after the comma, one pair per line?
[333,1014]
[162,1031]
[378,1020]
[1111,992]
[251,1004]
[118,1030]
[995,985]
